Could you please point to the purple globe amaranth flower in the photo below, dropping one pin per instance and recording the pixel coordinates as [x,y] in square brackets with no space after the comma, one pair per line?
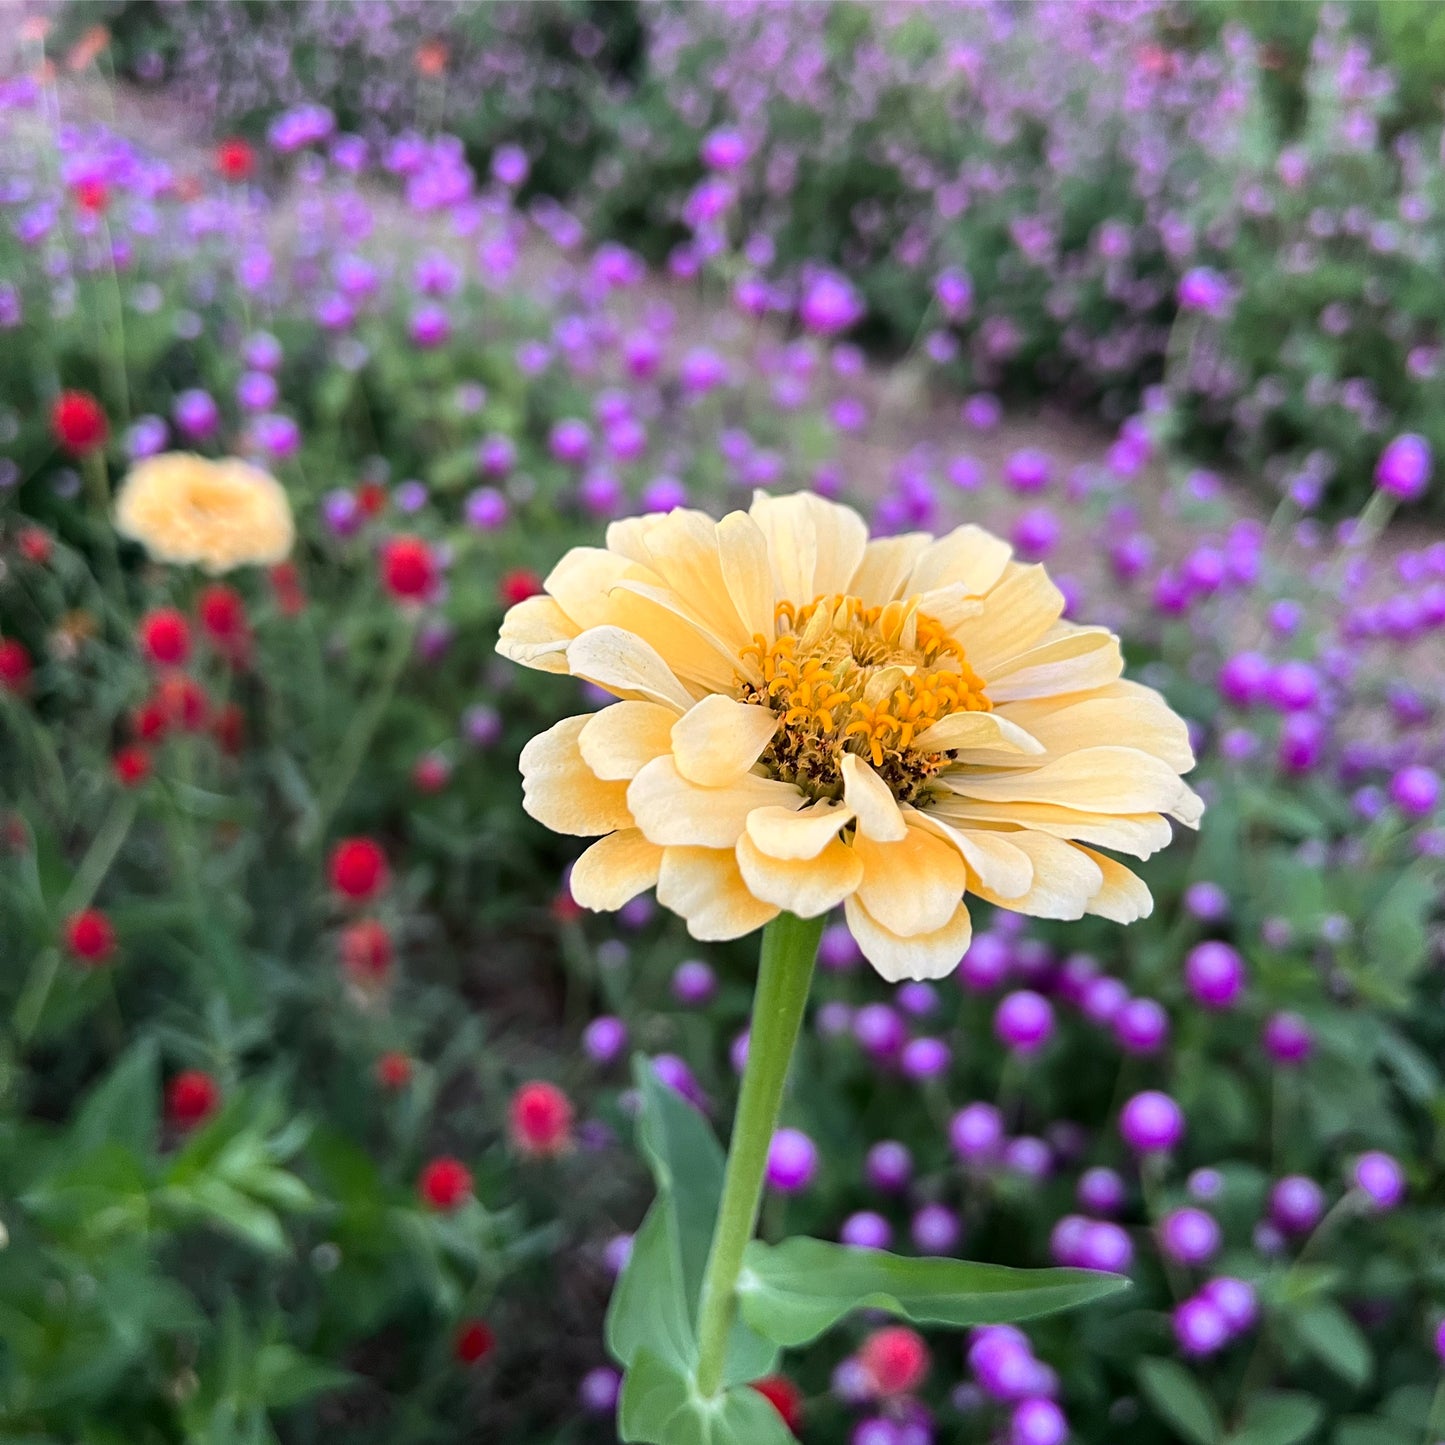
[1190,1236]
[879,1030]
[257,391]
[196,415]
[1235,1300]
[792,1161]
[1066,1239]
[1415,791]
[1104,1246]
[1215,974]
[486,509]
[1151,1123]
[147,436]
[1024,1021]
[976,1133]
[1405,467]
[341,512]
[953,291]
[496,455]
[986,964]
[1029,470]
[878,1431]
[829,304]
[430,327]
[1199,1327]
[1206,901]
[924,1058]
[482,725]
[510,165]
[1028,1156]
[1141,1026]
[866,1230]
[664,494]
[605,1039]
[917,999]
[1203,290]
[702,370]
[936,1229]
[570,441]
[600,493]
[599,1390]
[1002,1363]
[1379,1177]
[982,412]
[677,1076]
[724,149]
[694,983]
[1101,1190]
[1296,1204]
[1288,1039]
[1037,1422]
[1036,533]
[889,1166]
[410,496]
[1293,686]
[1101,999]
[1302,740]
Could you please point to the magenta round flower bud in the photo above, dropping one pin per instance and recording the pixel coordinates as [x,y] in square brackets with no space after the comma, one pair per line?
[1404,467]
[1036,533]
[1106,1247]
[1235,1300]
[1024,1021]
[1037,1422]
[1102,998]
[724,149]
[1243,678]
[1207,901]
[486,509]
[1028,1156]
[1066,1239]
[196,415]
[1141,1026]
[604,1039]
[1202,289]
[917,999]
[1205,1184]
[496,455]
[1151,1123]
[1301,742]
[1288,1038]
[879,1030]
[792,1161]
[986,964]
[694,983]
[616,1253]
[924,1058]
[1440,1341]
[1293,686]
[1296,1204]
[1199,1327]
[1029,470]
[599,1390]
[837,951]
[1215,974]
[866,1230]
[982,411]
[877,1431]
[738,1052]
[889,1166]
[976,1133]
[1380,1178]
[1002,1362]
[1190,1236]
[1101,1191]
[1416,791]
[936,1229]
[829,304]
[570,441]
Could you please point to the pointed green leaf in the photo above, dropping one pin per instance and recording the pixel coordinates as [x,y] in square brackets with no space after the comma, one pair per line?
[1282,1417]
[794,1291]
[659,1407]
[1179,1400]
[125,1109]
[1336,1341]
[648,1314]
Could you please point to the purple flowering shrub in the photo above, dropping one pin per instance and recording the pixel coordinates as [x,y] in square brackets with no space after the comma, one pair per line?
[316,1110]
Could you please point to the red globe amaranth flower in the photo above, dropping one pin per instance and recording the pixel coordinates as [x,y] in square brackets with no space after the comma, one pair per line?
[229,730]
[165,637]
[78,422]
[475,1340]
[408,569]
[182,702]
[15,666]
[540,1119]
[358,869]
[785,1397]
[90,937]
[34,545]
[150,721]
[445,1184]
[367,952]
[92,195]
[222,612]
[896,1360]
[191,1098]
[286,586]
[518,585]
[431,773]
[131,766]
[393,1070]
[235,159]
[371,498]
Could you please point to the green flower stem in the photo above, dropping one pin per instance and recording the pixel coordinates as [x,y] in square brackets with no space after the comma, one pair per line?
[785,970]
[92,464]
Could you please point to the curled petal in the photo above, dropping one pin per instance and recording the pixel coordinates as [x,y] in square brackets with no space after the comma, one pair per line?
[704,886]
[927,955]
[806,886]
[614,870]
[562,792]
[718,740]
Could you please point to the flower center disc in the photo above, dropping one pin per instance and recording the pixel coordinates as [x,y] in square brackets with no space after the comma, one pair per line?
[844,676]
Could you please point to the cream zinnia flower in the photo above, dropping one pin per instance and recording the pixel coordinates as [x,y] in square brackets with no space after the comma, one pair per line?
[215,515]
[811,718]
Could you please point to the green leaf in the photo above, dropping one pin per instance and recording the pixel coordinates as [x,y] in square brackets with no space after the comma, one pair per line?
[659,1407]
[1336,1341]
[286,1377]
[1396,934]
[1283,1417]
[655,1302]
[125,1109]
[1180,1401]
[1360,1430]
[794,1291]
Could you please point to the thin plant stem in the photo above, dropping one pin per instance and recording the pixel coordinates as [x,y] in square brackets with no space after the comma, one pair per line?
[98,487]
[785,971]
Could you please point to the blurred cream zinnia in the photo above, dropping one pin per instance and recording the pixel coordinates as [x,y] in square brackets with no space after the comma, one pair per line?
[810,718]
[188,510]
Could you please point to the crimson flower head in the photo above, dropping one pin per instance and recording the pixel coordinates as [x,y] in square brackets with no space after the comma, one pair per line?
[540,1119]
[131,766]
[222,612]
[475,1340]
[182,703]
[34,545]
[408,569]
[191,1098]
[445,1184]
[358,869]
[518,585]
[78,422]
[367,952]
[393,1070]
[784,1396]
[90,937]
[235,159]
[91,195]
[286,584]
[165,637]
[15,666]
[895,1359]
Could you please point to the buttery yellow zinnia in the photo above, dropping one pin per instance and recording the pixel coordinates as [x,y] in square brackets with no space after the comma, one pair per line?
[215,515]
[810,718]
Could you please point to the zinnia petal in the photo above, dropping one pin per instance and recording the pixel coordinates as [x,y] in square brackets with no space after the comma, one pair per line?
[927,955]
[614,870]
[807,887]
[705,886]
[718,740]
[622,739]
[793,836]
[562,792]
[911,886]
[868,796]
[672,811]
